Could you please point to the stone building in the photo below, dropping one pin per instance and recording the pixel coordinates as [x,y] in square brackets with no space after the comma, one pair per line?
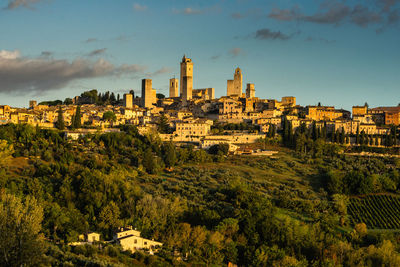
[173,87]
[235,86]
[130,239]
[205,94]
[186,79]
[326,113]
[250,90]
[148,94]
[128,100]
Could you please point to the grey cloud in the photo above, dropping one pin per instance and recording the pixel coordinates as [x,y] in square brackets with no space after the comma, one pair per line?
[46,54]
[253,13]
[97,52]
[38,75]
[361,16]
[323,40]
[285,14]
[13,4]
[338,12]
[163,70]
[267,34]
[91,40]
[387,4]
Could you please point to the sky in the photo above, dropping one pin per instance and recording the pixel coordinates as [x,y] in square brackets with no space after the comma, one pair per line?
[336,52]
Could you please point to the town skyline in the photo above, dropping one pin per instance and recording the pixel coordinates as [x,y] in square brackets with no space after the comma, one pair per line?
[342,54]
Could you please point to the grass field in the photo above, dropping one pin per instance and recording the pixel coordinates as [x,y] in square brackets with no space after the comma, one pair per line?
[376,211]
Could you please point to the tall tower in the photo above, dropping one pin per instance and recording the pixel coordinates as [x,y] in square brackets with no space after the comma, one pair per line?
[128,100]
[238,82]
[173,88]
[250,90]
[147,93]
[186,78]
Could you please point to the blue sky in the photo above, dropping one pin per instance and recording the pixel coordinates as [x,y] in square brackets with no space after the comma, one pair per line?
[339,53]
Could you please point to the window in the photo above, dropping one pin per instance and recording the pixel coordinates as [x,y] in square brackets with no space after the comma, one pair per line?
[135,241]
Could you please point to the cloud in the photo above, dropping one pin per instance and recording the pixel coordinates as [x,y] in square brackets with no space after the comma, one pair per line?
[215,57]
[285,14]
[4,54]
[361,16]
[234,52]
[163,70]
[91,40]
[339,12]
[139,7]
[13,4]
[267,34]
[331,13]
[188,11]
[196,11]
[97,52]
[323,40]
[46,54]
[19,75]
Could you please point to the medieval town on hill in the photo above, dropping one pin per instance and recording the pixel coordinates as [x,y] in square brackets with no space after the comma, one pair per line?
[193,115]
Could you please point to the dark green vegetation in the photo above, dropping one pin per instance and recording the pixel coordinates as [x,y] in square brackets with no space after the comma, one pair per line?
[376,211]
[207,209]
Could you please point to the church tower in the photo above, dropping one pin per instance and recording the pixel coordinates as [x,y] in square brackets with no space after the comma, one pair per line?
[186,79]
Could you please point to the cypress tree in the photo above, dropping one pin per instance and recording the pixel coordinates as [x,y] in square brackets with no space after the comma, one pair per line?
[358,135]
[60,120]
[77,118]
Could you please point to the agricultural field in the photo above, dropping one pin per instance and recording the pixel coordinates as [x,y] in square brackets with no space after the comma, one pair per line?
[376,211]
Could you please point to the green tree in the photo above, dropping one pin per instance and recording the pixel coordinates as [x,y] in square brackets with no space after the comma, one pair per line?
[163,124]
[109,116]
[76,123]
[21,243]
[60,120]
[6,151]
[169,154]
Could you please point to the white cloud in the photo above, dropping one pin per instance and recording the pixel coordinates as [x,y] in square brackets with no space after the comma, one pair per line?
[4,54]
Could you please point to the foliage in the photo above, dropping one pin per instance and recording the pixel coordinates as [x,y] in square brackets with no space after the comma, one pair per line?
[20,225]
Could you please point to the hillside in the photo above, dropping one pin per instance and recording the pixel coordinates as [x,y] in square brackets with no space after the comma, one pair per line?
[290,209]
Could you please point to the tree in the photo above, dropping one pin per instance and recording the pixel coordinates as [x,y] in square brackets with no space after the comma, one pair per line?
[6,151]
[160,96]
[109,116]
[169,153]
[60,125]
[163,124]
[76,123]
[21,243]
[68,101]
[149,162]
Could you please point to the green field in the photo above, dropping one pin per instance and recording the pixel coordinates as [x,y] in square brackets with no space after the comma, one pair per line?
[376,211]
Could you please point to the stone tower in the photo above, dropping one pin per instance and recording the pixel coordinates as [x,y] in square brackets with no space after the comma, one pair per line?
[235,86]
[250,90]
[147,93]
[128,100]
[238,82]
[173,88]
[186,79]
